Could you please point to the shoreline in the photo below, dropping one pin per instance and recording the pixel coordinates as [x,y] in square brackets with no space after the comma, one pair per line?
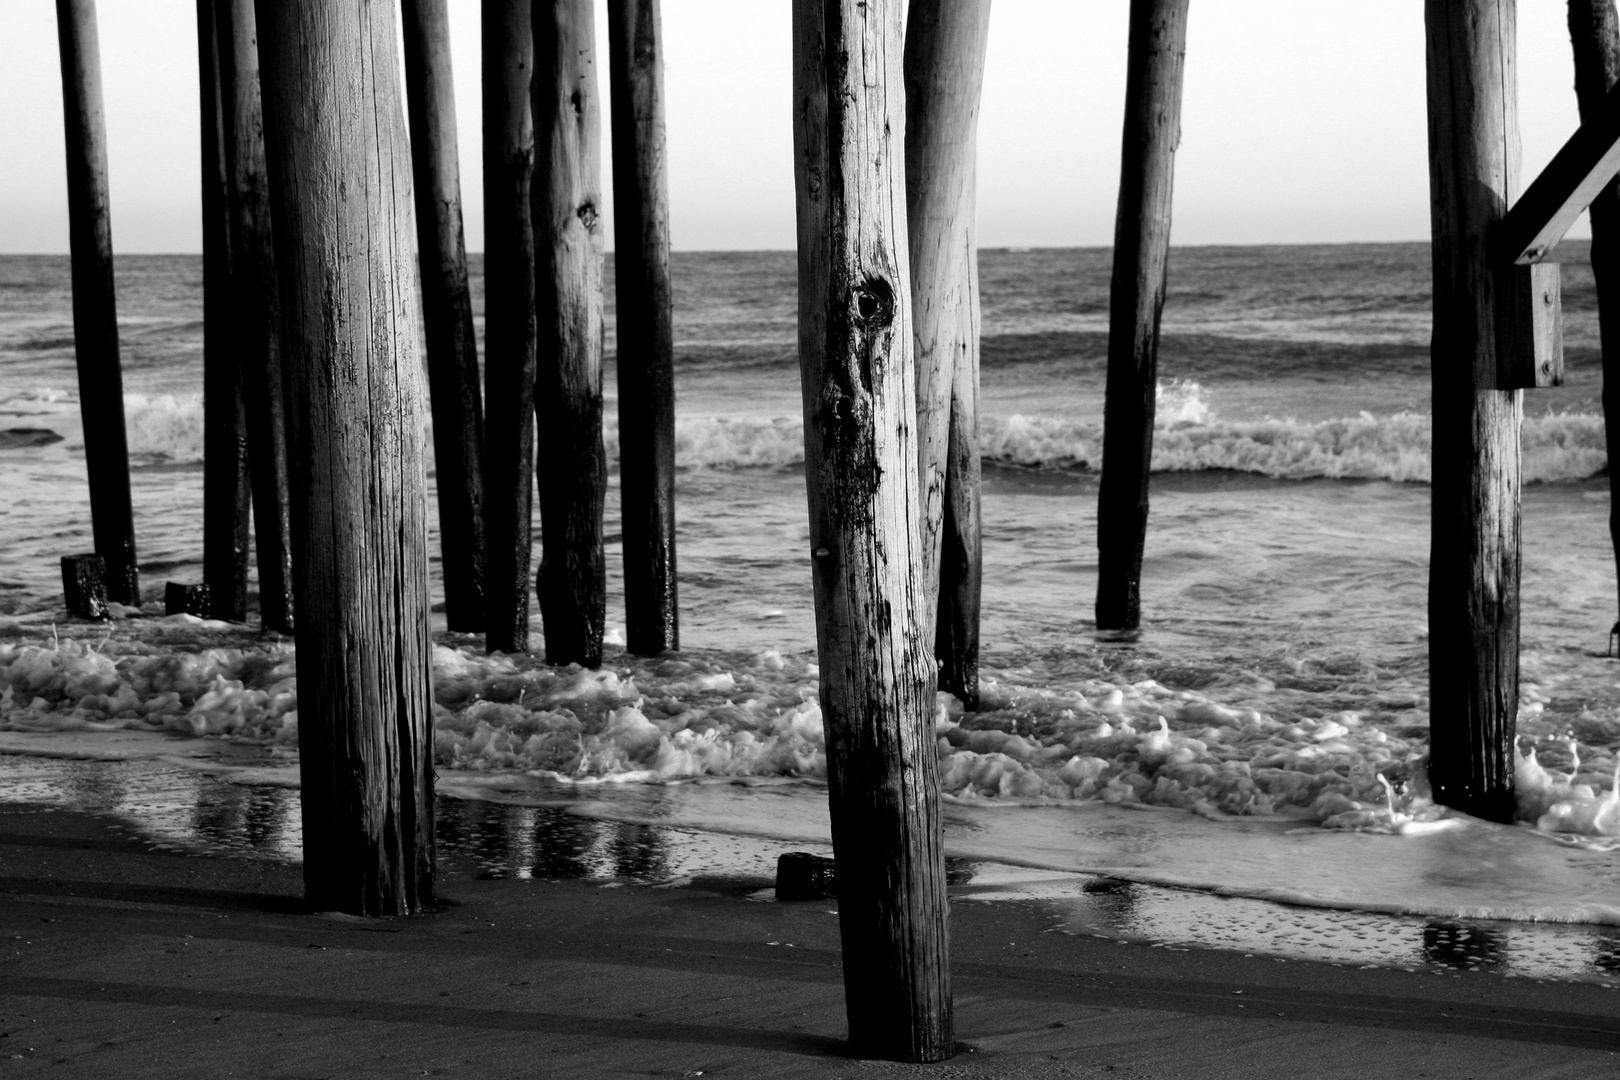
[209,800]
[130,961]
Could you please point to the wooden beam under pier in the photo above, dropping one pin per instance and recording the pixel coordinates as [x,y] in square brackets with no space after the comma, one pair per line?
[254,309]
[877,677]
[340,195]
[509,321]
[1158,46]
[944,67]
[1594,31]
[646,361]
[572,465]
[227,494]
[1583,166]
[95,309]
[447,319]
[1474,560]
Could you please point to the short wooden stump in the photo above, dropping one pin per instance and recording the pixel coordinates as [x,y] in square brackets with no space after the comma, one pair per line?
[181,599]
[803,876]
[84,585]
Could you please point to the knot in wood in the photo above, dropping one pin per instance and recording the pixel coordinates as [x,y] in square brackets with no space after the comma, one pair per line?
[873,304]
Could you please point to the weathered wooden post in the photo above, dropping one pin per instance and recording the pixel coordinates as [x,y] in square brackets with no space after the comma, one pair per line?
[255,309]
[340,195]
[1594,34]
[509,321]
[572,470]
[95,313]
[944,66]
[83,588]
[452,346]
[1158,45]
[646,336]
[877,679]
[1474,561]
[226,493]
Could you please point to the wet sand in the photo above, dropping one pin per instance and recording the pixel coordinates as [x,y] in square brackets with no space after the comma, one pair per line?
[121,959]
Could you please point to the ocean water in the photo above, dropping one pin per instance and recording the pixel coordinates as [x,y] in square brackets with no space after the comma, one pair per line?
[1241,748]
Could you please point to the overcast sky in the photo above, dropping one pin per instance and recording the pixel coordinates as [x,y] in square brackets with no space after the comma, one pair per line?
[1303,121]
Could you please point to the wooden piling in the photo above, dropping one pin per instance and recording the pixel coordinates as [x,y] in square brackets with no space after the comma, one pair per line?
[1158,45]
[226,492]
[255,310]
[182,599]
[95,310]
[1474,559]
[877,679]
[84,589]
[646,360]
[1594,33]
[572,466]
[509,321]
[340,197]
[452,346]
[944,68]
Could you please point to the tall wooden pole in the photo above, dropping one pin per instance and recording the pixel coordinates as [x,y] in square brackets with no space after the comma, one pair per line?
[226,491]
[452,346]
[646,336]
[509,321]
[95,312]
[944,66]
[340,194]
[1158,44]
[1474,557]
[255,310]
[572,466]
[1594,33]
[877,679]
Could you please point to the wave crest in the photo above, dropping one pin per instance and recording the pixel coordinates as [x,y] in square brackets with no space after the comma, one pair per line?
[1189,437]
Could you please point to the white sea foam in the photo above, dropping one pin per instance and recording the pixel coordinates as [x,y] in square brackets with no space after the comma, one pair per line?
[1128,743]
[1190,437]
[164,426]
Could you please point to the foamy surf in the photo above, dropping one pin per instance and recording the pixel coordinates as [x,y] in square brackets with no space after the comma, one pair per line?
[755,717]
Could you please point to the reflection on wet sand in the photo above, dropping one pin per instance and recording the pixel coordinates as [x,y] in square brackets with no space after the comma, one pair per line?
[179,806]
[1459,945]
[238,816]
[542,842]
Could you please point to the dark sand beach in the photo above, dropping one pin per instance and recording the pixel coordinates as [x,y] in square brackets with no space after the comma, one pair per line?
[125,960]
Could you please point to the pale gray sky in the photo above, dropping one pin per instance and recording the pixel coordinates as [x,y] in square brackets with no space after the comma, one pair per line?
[1303,121]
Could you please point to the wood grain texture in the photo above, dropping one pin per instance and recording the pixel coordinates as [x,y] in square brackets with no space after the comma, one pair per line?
[227,494]
[571,463]
[340,193]
[255,310]
[1594,33]
[1474,558]
[509,321]
[646,359]
[944,71]
[860,409]
[95,309]
[452,345]
[1153,78]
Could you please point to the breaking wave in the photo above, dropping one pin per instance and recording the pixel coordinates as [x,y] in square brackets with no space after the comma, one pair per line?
[1190,437]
